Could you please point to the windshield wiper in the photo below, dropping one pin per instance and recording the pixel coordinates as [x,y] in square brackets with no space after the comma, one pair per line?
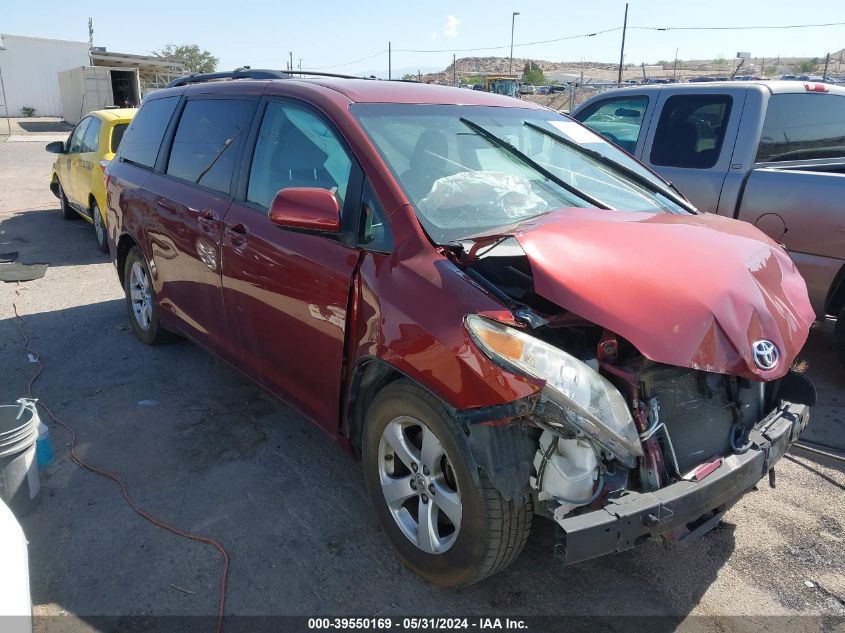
[638,178]
[533,164]
[214,160]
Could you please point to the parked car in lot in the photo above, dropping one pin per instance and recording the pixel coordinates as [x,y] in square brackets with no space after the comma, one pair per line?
[769,153]
[77,174]
[501,313]
[527,89]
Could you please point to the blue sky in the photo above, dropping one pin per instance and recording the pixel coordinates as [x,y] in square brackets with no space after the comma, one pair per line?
[331,33]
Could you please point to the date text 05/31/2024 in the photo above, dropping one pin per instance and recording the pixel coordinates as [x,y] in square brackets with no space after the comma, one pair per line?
[418,624]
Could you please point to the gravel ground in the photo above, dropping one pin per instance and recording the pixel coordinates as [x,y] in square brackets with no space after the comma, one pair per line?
[204,449]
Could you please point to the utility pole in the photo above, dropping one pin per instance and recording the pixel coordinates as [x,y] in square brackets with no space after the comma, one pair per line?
[622,51]
[291,59]
[513,22]
[675,70]
[826,64]
[389,61]
[90,33]
[454,71]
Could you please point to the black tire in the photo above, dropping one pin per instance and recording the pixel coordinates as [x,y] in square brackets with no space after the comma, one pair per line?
[492,530]
[153,333]
[100,235]
[67,211]
[839,335]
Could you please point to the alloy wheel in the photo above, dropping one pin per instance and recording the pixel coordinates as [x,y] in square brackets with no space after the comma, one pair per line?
[419,484]
[99,227]
[140,293]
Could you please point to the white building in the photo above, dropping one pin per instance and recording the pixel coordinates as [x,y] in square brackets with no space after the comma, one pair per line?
[30,68]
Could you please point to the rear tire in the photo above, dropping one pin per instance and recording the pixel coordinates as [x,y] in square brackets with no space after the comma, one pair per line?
[100,230]
[489,533]
[839,335]
[141,303]
[67,211]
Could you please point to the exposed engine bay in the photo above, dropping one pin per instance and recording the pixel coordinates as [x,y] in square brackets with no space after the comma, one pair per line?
[652,424]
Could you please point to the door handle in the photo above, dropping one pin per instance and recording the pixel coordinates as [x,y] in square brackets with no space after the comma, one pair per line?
[236,235]
[207,221]
[236,229]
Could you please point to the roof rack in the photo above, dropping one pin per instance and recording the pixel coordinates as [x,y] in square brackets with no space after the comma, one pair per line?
[302,73]
[239,73]
[248,73]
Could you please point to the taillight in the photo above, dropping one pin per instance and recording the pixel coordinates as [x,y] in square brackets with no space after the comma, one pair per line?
[816,87]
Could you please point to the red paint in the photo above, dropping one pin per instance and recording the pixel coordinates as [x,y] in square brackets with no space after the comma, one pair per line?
[692,291]
[307,208]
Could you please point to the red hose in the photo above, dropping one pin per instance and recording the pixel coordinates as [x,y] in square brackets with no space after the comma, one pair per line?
[116,478]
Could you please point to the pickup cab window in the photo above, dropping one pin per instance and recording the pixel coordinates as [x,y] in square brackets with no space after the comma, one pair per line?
[618,120]
[691,131]
[803,127]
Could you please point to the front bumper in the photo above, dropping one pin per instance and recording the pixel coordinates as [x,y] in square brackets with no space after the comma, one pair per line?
[685,509]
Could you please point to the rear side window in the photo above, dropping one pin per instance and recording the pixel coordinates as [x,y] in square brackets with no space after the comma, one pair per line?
[691,131]
[117,135]
[207,138]
[618,120]
[142,140]
[91,139]
[803,127]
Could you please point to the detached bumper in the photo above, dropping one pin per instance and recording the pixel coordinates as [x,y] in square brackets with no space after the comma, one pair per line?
[685,509]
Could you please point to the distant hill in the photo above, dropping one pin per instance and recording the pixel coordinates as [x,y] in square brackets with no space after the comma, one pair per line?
[595,70]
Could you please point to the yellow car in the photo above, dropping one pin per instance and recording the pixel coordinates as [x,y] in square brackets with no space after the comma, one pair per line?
[77,178]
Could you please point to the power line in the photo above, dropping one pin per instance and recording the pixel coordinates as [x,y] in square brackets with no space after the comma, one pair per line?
[734,28]
[363,59]
[492,48]
[586,35]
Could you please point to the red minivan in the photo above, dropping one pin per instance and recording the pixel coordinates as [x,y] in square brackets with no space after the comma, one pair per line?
[500,313]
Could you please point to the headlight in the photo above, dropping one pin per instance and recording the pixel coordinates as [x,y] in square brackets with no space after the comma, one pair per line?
[590,402]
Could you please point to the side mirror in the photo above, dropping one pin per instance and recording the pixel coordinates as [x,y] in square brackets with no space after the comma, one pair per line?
[56,147]
[310,208]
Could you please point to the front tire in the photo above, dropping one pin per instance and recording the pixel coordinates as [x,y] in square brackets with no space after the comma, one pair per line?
[447,523]
[67,211]
[141,303]
[100,231]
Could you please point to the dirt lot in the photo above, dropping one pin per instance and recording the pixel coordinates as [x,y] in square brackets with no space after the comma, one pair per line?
[202,448]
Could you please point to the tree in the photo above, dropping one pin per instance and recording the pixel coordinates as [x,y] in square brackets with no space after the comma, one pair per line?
[808,66]
[190,55]
[410,77]
[532,74]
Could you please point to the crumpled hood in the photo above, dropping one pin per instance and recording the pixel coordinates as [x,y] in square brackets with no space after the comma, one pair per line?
[687,290]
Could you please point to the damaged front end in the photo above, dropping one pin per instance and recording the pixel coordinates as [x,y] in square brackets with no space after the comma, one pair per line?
[621,446]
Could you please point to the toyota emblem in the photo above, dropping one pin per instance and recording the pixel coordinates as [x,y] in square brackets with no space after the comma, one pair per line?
[766,355]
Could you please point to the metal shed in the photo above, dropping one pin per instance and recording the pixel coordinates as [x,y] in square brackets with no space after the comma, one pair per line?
[29,66]
[88,88]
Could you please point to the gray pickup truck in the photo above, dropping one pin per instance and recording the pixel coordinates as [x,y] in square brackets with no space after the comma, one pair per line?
[769,152]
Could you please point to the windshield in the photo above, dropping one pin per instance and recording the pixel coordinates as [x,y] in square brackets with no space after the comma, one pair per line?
[469,170]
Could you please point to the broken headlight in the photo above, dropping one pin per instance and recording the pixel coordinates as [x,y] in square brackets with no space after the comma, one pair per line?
[589,401]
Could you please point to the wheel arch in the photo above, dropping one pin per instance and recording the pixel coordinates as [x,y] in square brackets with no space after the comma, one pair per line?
[124,245]
[835,301]
[369,376]
[498,444]
[54,184]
